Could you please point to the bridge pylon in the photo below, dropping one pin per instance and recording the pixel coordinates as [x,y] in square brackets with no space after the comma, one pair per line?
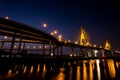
[107,45]
[84,37]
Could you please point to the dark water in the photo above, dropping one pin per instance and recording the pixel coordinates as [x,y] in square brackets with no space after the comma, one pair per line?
[99,69]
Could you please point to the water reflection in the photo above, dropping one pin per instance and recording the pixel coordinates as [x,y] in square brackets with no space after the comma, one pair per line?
[105,69]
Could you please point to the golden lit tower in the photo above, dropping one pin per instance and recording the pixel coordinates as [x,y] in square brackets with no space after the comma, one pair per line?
[84,37]
[107,45]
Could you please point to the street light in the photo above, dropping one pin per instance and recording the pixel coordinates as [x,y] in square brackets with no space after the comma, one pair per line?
[5,37]
[76,42]
[6,17]
[55,32]
[44,25]
[52,33]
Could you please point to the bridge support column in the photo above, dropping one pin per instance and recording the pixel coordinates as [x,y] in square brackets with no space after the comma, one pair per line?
[82,52]
[12,44]
[57,51]
[102,52]
[61,52]
[50,49]
[88,53]
[2,45]
[24,46]
[72,50]
[53,49]
[43,48]
[19,48]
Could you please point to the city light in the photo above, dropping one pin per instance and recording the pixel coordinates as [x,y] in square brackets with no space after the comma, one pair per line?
[76,42]
[44,25]
[15,46]
[52,33]
[69,41]
[55,32]
[6,17]
[100,46]
[5,37]
[88,43]
[94,45]
[40,47]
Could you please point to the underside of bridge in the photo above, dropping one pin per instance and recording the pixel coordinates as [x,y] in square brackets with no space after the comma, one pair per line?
[21,34]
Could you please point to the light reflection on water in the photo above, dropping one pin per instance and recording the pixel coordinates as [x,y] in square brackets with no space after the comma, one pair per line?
[76,70]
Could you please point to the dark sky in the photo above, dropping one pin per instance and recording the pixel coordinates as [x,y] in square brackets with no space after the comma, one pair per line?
[100,18]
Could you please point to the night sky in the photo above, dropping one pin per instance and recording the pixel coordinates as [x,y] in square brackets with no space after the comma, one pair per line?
[100,19]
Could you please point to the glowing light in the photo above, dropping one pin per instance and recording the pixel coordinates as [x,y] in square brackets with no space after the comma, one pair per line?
[70,55]
[10,71]
[95,52]
[40,47]
[75,55]
[87,43]
[111,68]
[91,69]
[78,73]
[100,46]
[15,46]
[84,72]
[65,41]
[107,45]
[44,25]
[16,72]
[55,32]
[44,71]
[5,37]
[44,67]
[45,46]
[31,70]
[17,39]
[34,47]
[61,76]
[51,54]
[52,33]
[76,42]
[70,74]
[25,69]
[6,17]
[60,37]
[94,45]
[38,68]
[75,62]
[84,37]
[98,69]
[69,41]
[69,63]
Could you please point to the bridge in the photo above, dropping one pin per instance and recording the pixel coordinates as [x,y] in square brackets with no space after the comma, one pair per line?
[20,39]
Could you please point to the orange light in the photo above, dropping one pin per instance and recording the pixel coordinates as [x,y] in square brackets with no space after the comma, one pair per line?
[44,25]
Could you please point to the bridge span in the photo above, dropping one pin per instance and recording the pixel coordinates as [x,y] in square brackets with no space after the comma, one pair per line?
[21,35]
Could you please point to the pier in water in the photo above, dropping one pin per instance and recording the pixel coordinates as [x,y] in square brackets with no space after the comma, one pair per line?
[92,69]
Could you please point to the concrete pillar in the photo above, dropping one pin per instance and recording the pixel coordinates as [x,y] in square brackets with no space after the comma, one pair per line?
[61,52]
[43,48]
[12,44]
[2,44]
[19,48]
